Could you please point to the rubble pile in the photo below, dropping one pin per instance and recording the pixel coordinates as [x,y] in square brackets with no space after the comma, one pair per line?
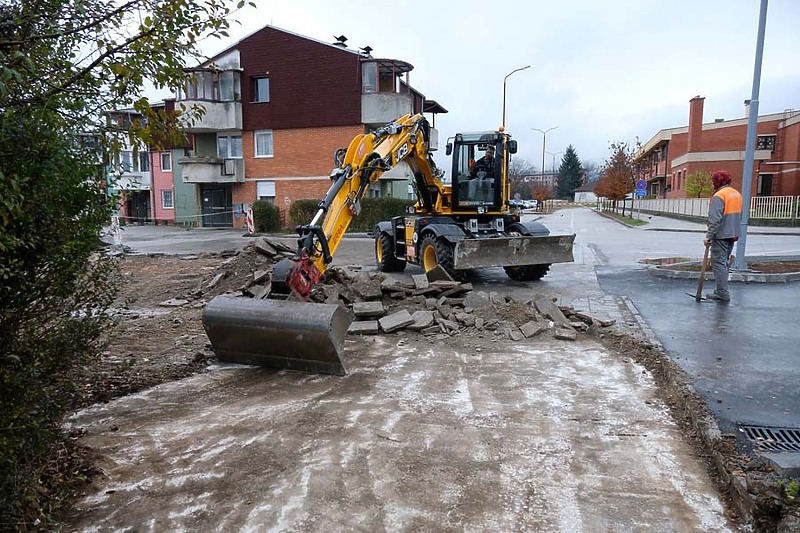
[431,303]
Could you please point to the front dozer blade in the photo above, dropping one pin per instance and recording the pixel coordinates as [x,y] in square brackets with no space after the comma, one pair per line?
[513,251]
[280,334]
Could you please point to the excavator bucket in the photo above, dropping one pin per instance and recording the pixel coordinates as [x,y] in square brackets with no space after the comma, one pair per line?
[513,251]
[277,333]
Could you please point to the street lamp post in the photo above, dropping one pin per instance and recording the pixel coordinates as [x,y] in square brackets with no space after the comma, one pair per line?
[544,144]
[504,90]
[553,155]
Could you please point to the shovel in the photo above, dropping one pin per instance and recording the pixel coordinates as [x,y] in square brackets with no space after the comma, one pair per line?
[703,266]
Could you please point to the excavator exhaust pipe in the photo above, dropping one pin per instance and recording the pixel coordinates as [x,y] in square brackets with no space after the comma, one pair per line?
[303,336]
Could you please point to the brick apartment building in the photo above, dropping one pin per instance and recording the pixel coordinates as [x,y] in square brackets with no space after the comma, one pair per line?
[277,106]
[671,155]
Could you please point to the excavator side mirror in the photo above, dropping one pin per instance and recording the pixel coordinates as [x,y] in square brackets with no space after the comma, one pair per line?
[448,149]
[512,147]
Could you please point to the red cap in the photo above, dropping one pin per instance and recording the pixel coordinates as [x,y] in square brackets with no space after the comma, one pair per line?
[720,178]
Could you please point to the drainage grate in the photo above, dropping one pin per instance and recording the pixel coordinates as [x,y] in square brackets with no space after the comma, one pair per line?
[773,439]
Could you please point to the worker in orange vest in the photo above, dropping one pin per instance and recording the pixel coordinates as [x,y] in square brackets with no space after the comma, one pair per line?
[724,220]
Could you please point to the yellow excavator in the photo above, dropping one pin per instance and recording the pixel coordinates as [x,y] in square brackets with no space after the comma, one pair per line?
[459,226]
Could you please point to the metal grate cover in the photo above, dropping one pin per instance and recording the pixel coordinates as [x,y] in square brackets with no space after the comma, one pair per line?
[773,439]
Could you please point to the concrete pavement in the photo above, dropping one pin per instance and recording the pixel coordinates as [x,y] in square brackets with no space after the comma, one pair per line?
[447,434]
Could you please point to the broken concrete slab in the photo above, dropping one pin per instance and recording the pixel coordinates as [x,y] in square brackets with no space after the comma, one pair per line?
[216,279]
[533,328]
[598,320]
[369,290]
[438,273]
[464,318]
[476,300]
[422,320]
[396,321]
[364,327]
[513,333]
[265,247]
[368,309]
[448,326]
[565,334]
[258,292]
[260,276]
[420,281]
[550,310]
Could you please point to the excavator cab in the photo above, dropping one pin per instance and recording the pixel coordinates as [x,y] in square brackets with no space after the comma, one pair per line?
[479,170]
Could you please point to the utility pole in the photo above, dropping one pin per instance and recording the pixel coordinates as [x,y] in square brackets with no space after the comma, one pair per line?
[752,120]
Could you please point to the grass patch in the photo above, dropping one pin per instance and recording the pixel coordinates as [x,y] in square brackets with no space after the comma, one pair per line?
[626,219]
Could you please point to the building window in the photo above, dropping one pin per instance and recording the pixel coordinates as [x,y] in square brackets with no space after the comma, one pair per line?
[369,77]
[144,162]
[261,89]
[166,161]
[166,199]
[765,142]
[265,190]
[263,140]
[229,146]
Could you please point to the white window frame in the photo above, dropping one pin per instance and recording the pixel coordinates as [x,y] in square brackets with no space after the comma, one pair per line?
[164,199]
[230,138]
[166,157]
[257,98]
[256,135]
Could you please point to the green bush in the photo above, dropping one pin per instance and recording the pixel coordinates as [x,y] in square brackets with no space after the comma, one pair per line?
[373,210]
[266,216]
[54,290]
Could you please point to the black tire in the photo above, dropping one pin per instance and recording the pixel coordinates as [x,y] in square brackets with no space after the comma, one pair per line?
[527,272]
[433,251]
[384,254]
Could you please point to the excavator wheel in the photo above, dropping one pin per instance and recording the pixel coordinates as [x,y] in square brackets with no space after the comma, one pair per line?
[384,254]
[527,272]
[433,251]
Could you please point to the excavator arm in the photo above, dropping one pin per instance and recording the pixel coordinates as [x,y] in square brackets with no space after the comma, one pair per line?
[300,335]
[365,160]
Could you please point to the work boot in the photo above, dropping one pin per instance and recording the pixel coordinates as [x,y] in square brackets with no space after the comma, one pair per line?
[717,297]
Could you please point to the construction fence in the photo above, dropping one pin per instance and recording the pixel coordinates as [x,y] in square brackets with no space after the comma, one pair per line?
[761,207]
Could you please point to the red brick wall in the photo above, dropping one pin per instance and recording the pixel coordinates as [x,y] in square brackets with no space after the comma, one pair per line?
[304,152]
[311,83]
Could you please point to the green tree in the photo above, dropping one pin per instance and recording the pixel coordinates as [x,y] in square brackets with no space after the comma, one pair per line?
[570,174]
[699,185]
[63,64]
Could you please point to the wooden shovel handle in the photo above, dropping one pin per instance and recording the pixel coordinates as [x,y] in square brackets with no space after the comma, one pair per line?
[703,267]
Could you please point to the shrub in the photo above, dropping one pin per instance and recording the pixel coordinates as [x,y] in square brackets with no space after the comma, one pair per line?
[266,216]
[54,290]
[373,210]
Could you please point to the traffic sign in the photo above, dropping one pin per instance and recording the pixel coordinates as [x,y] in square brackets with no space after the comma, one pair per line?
[641,185]
[641,192]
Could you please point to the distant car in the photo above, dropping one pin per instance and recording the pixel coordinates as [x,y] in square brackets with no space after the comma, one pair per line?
[530,204]
[516,203]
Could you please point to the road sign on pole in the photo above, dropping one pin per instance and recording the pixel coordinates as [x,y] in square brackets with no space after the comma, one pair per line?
[641,185]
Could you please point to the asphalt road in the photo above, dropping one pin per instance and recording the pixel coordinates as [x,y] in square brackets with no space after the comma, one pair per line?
[743,356]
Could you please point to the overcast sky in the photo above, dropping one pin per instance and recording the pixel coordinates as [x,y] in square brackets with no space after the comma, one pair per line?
[601,71]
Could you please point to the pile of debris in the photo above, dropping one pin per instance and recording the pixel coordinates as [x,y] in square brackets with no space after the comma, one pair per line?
[431,303]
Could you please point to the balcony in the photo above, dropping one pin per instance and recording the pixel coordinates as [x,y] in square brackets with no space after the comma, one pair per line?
[378,109]
[219,116]
[201,169]
[132,181]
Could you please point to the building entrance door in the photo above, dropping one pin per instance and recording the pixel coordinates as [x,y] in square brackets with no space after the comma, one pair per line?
[217,206]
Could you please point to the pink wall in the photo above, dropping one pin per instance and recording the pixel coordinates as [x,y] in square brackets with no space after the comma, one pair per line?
[162,180]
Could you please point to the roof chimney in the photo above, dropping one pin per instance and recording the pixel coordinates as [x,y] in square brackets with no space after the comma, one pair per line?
[695,123]
[340,41]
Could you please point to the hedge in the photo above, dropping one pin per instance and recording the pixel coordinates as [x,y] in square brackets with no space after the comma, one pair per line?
[373,210]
